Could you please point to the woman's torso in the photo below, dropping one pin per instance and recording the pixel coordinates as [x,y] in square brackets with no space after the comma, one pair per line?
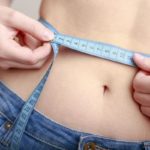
[74,93]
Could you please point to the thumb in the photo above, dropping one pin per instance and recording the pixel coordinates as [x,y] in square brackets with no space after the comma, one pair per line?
[142,62]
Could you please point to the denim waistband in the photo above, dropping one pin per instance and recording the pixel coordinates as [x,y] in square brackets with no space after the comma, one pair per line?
[54,134]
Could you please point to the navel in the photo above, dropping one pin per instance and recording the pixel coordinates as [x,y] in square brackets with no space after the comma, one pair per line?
[105,89]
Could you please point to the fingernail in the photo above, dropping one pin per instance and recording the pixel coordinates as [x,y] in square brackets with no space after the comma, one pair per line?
[138,56]
[48,35]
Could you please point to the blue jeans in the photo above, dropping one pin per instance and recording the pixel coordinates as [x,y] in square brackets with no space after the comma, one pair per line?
[42,133]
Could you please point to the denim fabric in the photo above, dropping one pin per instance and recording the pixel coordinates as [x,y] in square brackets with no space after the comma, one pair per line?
[42,133]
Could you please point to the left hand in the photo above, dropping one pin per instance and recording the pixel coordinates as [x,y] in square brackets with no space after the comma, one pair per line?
[141,83]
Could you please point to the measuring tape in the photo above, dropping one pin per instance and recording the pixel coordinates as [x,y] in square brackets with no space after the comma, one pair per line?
[98,49]
[26,111]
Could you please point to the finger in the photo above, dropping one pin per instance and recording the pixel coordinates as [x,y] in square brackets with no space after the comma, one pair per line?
[142,62]
[25,39]
[24,23]
[141,82]
[145,110]
[141,98]
[13,51]
[41,52]
[10,64]
[31,42]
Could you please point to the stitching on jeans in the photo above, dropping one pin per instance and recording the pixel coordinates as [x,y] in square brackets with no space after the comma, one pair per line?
[6,143]
[1,127]
[6,138]
[3,115]
[42,140]
[72,130]
[112,139]
[3,141]
[59,124]
[100,148]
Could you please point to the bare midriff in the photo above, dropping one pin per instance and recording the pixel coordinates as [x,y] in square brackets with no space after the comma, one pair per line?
[83,92]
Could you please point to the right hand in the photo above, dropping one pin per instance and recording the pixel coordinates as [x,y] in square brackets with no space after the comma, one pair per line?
[32,48]
[141,84]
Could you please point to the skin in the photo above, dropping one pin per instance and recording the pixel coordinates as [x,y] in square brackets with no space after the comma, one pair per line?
[139,84]
[35,51]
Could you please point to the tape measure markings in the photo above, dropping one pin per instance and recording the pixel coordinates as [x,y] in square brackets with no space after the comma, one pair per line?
[95,48]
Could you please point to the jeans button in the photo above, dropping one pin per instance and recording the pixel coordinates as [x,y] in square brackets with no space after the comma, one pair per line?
[8,125]
[90,146]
